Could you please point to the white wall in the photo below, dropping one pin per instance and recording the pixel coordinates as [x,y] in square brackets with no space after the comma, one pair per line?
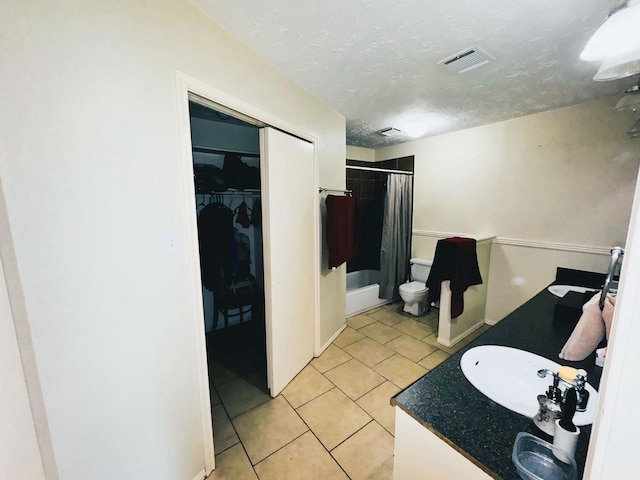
[91,170]
[19,451]
[550,186]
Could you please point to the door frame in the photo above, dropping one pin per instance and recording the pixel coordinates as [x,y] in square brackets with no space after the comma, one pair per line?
[186,85]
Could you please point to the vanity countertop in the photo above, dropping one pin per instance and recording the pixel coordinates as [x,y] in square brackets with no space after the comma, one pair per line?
[447,404]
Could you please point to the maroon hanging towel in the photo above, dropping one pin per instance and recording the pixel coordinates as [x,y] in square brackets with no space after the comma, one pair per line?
[341,229]
[456,260]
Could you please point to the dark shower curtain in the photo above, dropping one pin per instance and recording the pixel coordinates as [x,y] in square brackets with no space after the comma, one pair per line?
[396,234]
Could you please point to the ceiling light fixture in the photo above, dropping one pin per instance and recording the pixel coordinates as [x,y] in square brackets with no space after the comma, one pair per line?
[616,44]
[634,131]
[630,100]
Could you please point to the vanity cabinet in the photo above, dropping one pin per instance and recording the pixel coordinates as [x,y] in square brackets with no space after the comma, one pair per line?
[445,428]
[420,454]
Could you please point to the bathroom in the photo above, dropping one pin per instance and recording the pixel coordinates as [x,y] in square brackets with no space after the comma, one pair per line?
[94,168]
[507,180]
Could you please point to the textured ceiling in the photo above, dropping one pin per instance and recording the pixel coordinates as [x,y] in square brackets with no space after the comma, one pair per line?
[376,62]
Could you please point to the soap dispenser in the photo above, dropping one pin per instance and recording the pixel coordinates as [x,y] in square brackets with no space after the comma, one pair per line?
[550,406]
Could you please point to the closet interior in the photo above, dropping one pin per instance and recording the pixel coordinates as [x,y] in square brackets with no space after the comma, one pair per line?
[226,164]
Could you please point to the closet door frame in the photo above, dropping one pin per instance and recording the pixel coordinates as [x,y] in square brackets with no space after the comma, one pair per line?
[185,86]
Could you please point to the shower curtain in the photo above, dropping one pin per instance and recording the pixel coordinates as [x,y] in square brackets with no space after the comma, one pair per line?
[396,234]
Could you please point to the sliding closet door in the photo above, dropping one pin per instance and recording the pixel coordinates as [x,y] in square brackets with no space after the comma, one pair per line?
[289,213]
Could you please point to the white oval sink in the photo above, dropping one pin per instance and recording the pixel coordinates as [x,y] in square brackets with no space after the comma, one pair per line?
[509,377]
[562,290]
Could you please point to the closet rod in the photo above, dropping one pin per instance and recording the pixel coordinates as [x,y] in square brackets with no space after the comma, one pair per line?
[385,170]
[347,192]
[223,152]
[251,193]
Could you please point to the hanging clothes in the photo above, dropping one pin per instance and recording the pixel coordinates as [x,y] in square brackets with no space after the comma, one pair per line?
[341,229]
[215,234]
[243,215]
[456,260]
[256,213]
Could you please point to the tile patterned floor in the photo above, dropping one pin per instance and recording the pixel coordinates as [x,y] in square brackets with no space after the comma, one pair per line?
[334,420]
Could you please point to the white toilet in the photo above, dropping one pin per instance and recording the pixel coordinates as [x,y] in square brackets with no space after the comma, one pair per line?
[414,292]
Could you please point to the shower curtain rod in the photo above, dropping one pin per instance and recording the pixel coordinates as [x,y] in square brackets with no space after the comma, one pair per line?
[385,170]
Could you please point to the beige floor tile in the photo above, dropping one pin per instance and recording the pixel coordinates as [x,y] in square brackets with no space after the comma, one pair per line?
[400,370]
[331,358]
[410,347]
[415,328]
[304,458]
[394,306]
[380,332]
[433,340]
[268,428]
[233,464]
[368,454]
[359,321]
[376,309]
[387,316]
[377,404]
[239,396]
[369,351]
[307,385]
[354,378]
[432,361]
[333,417]
[224,435]
[219,374]
[347,337]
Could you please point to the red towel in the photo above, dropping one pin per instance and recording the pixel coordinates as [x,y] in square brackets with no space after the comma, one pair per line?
[456,260]
[341,229]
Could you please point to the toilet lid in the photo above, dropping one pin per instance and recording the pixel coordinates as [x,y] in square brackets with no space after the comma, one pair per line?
[414,287]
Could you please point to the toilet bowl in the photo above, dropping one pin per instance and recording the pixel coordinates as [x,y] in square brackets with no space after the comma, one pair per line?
[414,293]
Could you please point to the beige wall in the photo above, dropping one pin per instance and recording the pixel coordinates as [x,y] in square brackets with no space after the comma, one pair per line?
[550,186]
[360,153]
[91,171]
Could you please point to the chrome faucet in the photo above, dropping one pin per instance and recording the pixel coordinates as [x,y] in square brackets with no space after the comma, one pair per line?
[616,253]
[554,393]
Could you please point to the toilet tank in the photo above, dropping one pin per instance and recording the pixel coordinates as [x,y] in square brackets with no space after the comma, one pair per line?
[420,269]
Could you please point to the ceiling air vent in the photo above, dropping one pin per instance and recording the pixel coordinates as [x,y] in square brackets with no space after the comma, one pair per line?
[389,132]
[466,60]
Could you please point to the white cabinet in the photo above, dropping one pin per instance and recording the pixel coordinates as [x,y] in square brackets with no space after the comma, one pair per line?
[422,455]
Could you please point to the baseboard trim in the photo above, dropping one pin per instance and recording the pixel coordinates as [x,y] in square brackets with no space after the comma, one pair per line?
[462,336]
[491,322]
[330,341]
[201,476]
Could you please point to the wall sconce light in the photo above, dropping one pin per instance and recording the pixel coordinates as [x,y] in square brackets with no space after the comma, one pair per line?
[616,44]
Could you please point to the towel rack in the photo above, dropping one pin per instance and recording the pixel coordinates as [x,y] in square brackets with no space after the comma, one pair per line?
[346,192]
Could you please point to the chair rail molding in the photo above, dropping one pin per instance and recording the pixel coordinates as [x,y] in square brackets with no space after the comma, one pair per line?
[519,242]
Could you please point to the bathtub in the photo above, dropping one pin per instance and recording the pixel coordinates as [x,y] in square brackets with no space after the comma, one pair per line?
[362,291]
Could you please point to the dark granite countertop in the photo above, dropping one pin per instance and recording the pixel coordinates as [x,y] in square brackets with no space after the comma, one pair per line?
[447,404]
